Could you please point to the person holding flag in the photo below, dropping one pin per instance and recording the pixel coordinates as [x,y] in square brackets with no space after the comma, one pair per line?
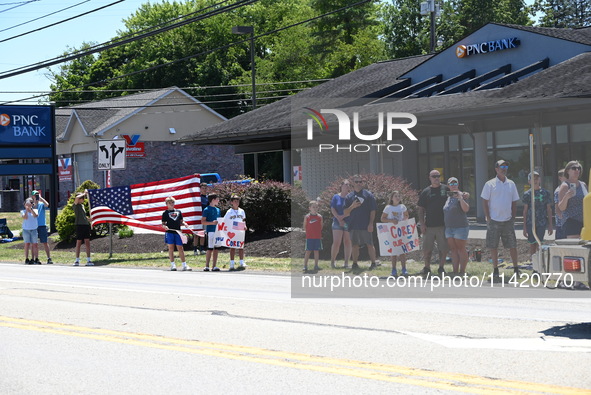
[236,218]
[172,219]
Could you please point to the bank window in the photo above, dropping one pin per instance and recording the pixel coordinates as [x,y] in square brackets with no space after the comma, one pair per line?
[561,134]
[512,138]
[467,142]
[423,149]
[437,144]
[454,143]
[581,133]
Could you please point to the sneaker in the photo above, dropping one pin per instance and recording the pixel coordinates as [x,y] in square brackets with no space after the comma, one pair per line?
[173,268]
[49,261]
[440,271]
[354,266]
[89,264]
[37,261]
[76,264]
[394,273]
[215,269]
[232,269]
[404,272]
[372,266]
[378,263]
[517,272]
[426,271]
[241,267]
[187,269]
[205,269]
[196,252]
[496,272]
[28,262]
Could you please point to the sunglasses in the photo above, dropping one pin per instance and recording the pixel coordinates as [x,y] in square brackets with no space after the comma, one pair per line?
[579,168]
[453,183]
[504,167]
[436,176]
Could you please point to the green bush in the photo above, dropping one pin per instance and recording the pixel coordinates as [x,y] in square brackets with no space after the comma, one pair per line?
[125,231]
[268,204]
[65,220]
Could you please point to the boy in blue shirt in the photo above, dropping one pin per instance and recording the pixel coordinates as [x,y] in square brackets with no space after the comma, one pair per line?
[42,233]
[210,221]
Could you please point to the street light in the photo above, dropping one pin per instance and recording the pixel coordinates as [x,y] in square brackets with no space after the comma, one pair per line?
[249,30]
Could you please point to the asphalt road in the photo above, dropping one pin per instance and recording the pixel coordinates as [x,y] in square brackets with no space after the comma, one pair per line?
[100,330]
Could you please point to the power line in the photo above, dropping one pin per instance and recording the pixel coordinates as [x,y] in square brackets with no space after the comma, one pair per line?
[19,5]
[114,44]
[198,54]
[44,16]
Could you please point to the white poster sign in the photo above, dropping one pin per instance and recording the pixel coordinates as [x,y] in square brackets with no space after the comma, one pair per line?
[230,233]
[398,239]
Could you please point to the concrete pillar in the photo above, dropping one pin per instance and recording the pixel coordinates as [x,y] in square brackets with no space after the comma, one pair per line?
[287,169]
[480,170]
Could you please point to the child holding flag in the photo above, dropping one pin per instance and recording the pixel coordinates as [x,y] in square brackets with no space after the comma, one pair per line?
[236,219]
[172,219]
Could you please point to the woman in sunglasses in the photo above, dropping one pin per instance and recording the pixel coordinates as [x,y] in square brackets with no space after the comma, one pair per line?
[456,225]
[570,198]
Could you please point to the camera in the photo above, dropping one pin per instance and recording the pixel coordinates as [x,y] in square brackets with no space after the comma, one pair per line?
[453,193]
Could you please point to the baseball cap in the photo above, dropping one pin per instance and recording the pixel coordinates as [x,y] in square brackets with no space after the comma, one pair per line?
[35,192]
[500,162]
[452,179]
[535,173]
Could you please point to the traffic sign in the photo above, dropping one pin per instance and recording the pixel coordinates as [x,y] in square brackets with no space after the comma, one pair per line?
[111,155]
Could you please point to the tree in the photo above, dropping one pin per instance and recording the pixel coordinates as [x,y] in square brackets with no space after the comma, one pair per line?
[563,13]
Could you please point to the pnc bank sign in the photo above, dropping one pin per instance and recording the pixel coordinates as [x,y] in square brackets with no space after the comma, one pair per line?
[26,125]
[463,51]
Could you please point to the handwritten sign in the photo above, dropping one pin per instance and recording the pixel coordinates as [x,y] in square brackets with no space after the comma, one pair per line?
[398,239]
[229,233]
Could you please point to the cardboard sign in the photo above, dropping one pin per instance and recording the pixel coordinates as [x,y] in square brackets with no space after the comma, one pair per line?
[229,233]
[398,239]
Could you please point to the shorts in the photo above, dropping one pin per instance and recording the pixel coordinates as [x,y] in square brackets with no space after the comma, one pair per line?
[360,237]
[313,244]
[435,233]
[82,232]
[500,230]
[336,226]
[173,238]
[30,236]
[560,233]
[42,233]
[210,240]
[540,230]
[457,233]
[572,227]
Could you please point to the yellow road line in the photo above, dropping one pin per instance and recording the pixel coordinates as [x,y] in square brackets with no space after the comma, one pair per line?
[367,370]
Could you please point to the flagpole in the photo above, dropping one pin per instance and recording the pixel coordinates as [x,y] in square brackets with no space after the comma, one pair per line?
[111,240]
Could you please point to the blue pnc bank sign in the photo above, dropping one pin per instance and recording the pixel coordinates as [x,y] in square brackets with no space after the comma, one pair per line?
[26,125]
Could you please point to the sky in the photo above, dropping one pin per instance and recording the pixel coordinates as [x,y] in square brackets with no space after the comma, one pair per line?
[51,42]
[99,26]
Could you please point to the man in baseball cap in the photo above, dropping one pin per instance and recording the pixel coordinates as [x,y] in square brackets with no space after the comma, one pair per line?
[41,204]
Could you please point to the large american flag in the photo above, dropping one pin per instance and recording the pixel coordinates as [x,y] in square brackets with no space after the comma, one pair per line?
[141,205]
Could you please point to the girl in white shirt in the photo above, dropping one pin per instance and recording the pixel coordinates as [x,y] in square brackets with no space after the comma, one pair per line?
[395,212]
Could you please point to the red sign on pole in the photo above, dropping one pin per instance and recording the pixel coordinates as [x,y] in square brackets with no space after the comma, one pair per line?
[65,169]
[135,148]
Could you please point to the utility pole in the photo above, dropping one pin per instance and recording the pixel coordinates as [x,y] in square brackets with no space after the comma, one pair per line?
[433,9]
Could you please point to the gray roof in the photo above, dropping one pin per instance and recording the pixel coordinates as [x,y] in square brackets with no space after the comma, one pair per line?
[581,35]
[97,116]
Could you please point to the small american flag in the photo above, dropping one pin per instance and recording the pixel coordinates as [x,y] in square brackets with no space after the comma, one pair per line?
[141,205]
[238,225]
[383,228]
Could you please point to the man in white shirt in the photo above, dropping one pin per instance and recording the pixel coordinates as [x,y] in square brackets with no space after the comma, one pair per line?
[499,199]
